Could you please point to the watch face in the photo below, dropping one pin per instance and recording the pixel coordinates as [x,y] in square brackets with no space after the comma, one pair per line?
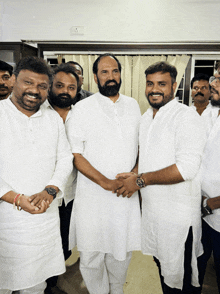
[140,182]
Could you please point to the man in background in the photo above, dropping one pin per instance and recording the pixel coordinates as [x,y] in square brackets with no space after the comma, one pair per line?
[211,189]
[201,93]
[62,97]
[81,94]
[5,79]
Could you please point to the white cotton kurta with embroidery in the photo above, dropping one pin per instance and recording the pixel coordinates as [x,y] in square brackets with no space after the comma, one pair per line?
[211,172]
[175,136]
[34,153]
[106,134]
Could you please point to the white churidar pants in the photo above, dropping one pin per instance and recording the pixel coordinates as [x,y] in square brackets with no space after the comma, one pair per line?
[102,273]
[38,289]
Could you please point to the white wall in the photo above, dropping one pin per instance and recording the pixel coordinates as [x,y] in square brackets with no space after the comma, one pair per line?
[110,20]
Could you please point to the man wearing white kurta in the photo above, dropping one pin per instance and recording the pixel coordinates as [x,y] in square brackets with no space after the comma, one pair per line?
[103,134]
[200,91]
[62,97]
[171,145]
[211,190]
[35,161]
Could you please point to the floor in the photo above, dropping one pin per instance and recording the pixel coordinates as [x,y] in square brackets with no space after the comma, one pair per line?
[142,277]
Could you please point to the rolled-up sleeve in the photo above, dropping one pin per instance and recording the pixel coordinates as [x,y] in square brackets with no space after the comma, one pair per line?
[76,131]
[189,144]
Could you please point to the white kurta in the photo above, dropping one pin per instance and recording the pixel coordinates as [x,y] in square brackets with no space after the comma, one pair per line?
[34,153]
[211,172]
[70,188]
[209,116]
[106,134]
[175,136]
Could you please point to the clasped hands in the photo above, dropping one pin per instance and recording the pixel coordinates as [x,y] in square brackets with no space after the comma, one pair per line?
[37,203]
[124,184]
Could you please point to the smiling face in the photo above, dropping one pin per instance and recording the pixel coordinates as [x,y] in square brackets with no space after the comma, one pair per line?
[30,91]
[159,89]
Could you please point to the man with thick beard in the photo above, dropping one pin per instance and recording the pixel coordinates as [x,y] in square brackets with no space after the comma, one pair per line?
[211,188]
[61,98]
[103,134]
[5,79]
[171,140]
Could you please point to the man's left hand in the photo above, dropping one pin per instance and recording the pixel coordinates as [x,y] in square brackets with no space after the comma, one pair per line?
[37,198]
[129,185]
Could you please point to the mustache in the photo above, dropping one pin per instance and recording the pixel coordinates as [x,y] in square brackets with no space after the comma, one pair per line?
[2,86]
[111,81]
[155,93]
[64,95]
[199,94]
[214,91]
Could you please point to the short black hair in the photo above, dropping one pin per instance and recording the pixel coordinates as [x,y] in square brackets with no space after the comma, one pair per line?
[95,64]
[199,77]
[76,63]
[163,67]
[67,68]
[35,64]
[4,66]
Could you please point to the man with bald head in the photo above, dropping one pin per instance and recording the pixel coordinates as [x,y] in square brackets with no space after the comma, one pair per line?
[103,134]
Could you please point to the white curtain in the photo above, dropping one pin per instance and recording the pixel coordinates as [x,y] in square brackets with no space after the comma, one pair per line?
[133,77]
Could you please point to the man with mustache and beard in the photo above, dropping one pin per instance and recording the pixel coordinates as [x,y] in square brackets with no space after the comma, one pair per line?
[62,97]
[171,142]
[35,162]
[103,134]
[201,93]
[5,79]
[211,188]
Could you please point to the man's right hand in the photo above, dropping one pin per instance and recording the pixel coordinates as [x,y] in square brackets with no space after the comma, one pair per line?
[112,185]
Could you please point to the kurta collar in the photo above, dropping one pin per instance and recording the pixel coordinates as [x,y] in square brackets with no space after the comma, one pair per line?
[11,105]
[108,100]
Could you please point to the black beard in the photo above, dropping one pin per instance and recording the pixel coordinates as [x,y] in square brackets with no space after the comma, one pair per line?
[109,91]
[62,100]
[165,100]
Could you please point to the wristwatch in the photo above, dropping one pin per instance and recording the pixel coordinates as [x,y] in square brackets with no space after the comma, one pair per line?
[140,181]
[206,210]
[51,191]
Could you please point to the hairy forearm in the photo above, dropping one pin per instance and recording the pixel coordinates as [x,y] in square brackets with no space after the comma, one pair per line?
[166,176]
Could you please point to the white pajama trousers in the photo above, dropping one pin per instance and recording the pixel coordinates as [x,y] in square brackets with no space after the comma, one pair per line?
[38,289]
[102,273]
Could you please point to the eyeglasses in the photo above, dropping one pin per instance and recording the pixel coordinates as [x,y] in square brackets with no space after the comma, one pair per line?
[214,79]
